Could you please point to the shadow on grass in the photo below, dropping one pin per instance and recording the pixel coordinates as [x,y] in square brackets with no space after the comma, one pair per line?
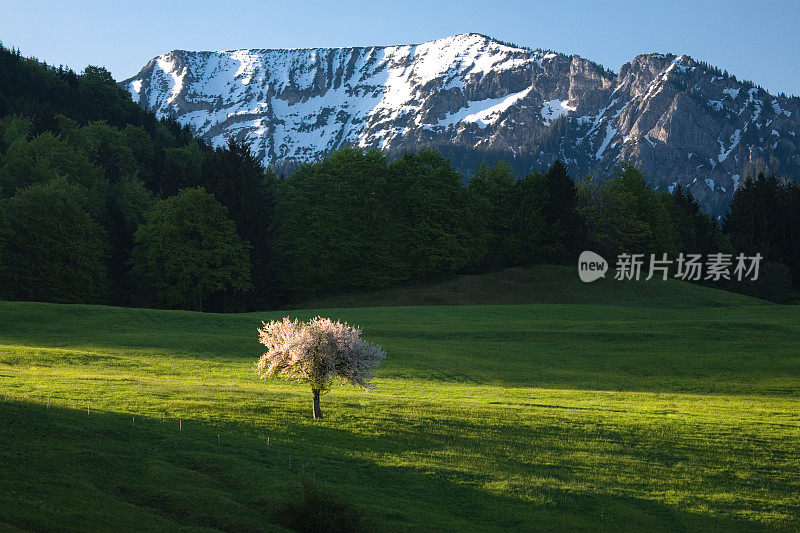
[66,470]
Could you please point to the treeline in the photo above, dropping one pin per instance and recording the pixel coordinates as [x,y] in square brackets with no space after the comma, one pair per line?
[78,223]
[106,204]
[355,221]
[42,92]
[83,168]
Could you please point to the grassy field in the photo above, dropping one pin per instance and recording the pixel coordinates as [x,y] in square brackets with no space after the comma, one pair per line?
[682,414]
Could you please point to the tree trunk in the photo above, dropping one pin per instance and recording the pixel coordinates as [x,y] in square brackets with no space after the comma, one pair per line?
[317,411]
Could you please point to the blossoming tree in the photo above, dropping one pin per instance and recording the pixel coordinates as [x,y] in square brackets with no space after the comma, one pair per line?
[317,352]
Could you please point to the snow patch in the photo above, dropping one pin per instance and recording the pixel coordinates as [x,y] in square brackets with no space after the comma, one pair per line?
[733,93]
[778,110]
[610,132]
[168,67]
[553,109]
[723,154]
[484,112]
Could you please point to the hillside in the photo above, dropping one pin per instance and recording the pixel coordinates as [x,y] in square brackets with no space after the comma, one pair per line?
[682,121]
[538,284]
[30,88]
[556,417]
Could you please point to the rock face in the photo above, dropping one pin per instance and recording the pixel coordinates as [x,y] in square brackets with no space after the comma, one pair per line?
[681,121]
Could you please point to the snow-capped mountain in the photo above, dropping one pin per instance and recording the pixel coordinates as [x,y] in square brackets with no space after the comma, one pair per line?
[681,121]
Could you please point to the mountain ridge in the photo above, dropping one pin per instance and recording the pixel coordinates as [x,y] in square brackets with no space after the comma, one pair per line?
[682,121]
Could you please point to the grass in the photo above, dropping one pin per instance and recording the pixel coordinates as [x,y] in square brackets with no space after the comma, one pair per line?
[585,416]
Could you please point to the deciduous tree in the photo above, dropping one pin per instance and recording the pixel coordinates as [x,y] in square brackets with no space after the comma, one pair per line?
[188,251]
[54,251]
[317,352]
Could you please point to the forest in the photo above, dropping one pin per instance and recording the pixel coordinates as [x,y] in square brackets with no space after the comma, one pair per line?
[101,202]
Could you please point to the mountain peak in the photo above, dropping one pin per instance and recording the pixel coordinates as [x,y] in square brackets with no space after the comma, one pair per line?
[682,121]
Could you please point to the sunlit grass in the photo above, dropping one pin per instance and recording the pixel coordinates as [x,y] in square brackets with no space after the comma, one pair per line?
[482,417]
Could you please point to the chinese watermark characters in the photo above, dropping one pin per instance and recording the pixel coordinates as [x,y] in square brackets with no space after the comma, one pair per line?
[689,267]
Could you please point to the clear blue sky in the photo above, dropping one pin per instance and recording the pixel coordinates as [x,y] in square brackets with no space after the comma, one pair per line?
[756,40]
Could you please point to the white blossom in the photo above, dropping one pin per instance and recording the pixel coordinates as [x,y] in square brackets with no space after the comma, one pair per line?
[317,352]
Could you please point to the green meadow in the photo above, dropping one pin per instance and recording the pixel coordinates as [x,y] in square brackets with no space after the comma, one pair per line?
[639,407]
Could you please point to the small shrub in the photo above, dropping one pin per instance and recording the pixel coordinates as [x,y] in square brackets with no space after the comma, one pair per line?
[313,507]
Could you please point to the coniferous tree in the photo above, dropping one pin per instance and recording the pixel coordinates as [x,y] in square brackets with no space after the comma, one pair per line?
[528,223]
[107,149]
[764,217]
[625,215]
[183,168]
[613,222]
[696,231]
[565,231]
[128,203]
[241,183]
[758,217]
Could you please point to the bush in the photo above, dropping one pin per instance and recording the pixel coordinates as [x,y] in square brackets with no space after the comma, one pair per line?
[313,507]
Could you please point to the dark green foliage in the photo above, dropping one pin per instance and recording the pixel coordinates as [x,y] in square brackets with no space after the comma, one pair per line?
[624,215]
[188,252]
[144,151]
[564,229]
[84,130]
[54,251]
[41,92]
[13,129]
[350,222]
[336,230]
[39,159]
[128,203]
[496,186]
[312,507]
[758,217]
[107,149]
[5,241]
[182,169]
[239,181]
[696,232]
[764,217]
[528,219]
[441,225]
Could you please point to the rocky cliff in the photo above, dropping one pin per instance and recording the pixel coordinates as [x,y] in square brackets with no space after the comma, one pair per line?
[681,121]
